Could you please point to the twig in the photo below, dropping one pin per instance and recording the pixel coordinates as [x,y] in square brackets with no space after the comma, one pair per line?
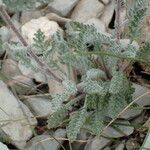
[124,110]
[117,23]
[44,67]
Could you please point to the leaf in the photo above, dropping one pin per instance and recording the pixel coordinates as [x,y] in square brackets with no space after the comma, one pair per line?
[77,121]
[95,74]
[70,87]
[56,118]
[94,123]
[92,87]
[117,103]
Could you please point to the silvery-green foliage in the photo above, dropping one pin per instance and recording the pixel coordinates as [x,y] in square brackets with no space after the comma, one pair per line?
[95,74]
[70,87]
[135,15]
[58,99]
[94,123]
[77,121]
[92,87]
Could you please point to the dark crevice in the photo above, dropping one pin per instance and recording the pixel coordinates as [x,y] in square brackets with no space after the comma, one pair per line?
[112,22]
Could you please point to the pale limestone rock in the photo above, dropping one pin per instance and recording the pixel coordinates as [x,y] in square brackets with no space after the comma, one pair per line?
[97,144]
[98,24]
[28,15]
[108,13]
[3,146]
[42,23]
[87,9]
[57,18]
[62,7]
[13,116]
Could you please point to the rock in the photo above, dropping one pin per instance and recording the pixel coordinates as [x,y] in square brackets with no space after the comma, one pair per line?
[5,34]
[130,113]
[140,90]
[62,7]
[105,1]
[45,142]
[82,136]
[28,15]
[146,144]
[132,144]
[60,20]
[47,27]
[120,147]
[87,9]
[3,146]
[40,106]
[97,144]
[108,14]
[16,125]
[107,148]
[99,25]
[28,72]
[125,130]
[10,68]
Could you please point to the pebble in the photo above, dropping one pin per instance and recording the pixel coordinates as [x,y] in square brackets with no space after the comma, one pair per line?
[62,7]
[44,142]
[19,130]
[87,9]
[3,146]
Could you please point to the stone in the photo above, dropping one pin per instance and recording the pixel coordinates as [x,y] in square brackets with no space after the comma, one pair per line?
[105,1]
[40,106]
[5,34]
[60,20]
[3,146]
[46,26]
[98,24]
[83,135]
[140,90]
[10,68]
[62,7]
[15,123]
[30,73]
[45,142]
[87,9]
[28,15]
[125,130]
[107,148]
[97,144]
[108,14]
[120,147]
[146,144]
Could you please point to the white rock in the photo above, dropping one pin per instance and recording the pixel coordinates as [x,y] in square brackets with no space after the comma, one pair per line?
[42,23]
[97,144]
[107,148]
[98,24]
[28,72]
[108,13]
[140,90]
[87,9]
[120,147]
[105,1]
[28,15]
[10,68]
[3,146]
[40,106]
[126,130]
[62,7]
[14,122]
[57,18]
[44,142]
[5,34]
[146,144]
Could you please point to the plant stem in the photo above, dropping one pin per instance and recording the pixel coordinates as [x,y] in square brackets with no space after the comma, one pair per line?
[44,67]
